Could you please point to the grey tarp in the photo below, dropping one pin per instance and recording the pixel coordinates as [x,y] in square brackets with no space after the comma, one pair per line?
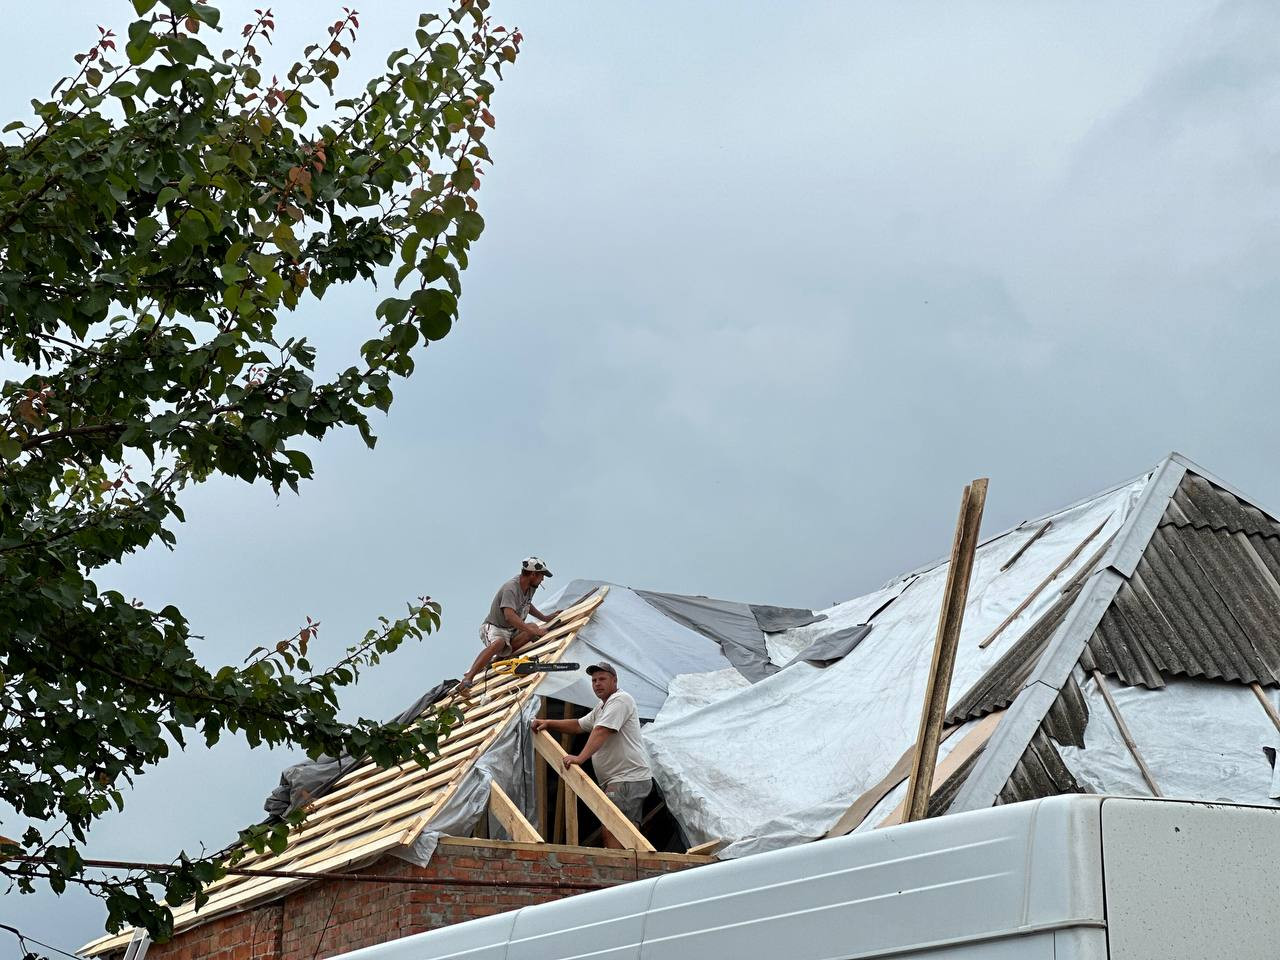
[833,647]
[778,619]
[303,782]
[732,625]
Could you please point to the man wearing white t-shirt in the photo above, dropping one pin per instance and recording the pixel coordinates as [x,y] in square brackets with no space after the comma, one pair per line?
[614,747]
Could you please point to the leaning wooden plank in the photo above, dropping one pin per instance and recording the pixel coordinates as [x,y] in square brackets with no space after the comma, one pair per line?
[1125,734]
[950,620]
[509,815]
[1053,575]
[623,830]
[858,810]
[969,744]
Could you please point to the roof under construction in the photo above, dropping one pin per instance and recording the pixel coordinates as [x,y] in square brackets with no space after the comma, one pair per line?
[1128,643]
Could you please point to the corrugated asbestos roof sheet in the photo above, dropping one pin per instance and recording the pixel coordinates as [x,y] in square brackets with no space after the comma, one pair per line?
[372,812]
[1204,600]
[1040,773]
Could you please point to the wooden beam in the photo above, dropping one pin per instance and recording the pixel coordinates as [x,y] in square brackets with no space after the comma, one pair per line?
[971,743]
[1044,528]
[706,849]
[1053,575]
[509,815]
[570,818]
[583,787]
[954,596]
[540,782]
[1125,734]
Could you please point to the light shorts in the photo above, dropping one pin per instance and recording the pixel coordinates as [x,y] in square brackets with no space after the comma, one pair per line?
[490,633]
[628,796]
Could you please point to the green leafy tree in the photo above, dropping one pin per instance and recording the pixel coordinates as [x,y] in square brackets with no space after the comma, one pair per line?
[164,217]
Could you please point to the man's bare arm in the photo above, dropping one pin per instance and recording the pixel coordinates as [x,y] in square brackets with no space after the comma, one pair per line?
[513,621]
[559,726]
[597,740]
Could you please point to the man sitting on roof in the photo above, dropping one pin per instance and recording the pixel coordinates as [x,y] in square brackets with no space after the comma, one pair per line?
[614,747]
[505,630]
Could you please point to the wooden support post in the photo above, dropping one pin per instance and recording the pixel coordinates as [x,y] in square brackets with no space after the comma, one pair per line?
[954,596]
[540,784]
[582,786]
[509,815]
[1126,735]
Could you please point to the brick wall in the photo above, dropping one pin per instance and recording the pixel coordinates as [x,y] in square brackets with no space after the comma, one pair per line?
[332,917]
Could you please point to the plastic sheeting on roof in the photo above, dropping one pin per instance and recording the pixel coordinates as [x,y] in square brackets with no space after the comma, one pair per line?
[775,764]
[1201,739]
[647,648]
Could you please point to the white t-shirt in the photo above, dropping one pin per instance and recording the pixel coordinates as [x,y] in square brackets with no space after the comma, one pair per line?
[623,757]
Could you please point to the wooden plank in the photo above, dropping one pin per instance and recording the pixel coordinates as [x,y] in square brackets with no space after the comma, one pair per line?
[509,815]
[1053,575]
[950,620]
[1266,703]
[570,818]
[707,848]
[972,741]
[1125,734]
[1044,528]
[623,830]
[858,810]
[540,782]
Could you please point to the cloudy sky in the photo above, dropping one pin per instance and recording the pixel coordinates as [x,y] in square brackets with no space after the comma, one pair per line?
[763,286]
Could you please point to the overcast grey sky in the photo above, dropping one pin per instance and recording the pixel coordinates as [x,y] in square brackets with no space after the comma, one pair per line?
[763,286]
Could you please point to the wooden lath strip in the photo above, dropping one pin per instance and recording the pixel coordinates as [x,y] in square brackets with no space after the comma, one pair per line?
[259,887]
[454,750]
[1125,734]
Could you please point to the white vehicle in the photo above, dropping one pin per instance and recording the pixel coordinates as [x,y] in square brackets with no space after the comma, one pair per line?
[1065,878]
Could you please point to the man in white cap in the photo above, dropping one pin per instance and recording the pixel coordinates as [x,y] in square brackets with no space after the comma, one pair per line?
[614,747]
[505,631]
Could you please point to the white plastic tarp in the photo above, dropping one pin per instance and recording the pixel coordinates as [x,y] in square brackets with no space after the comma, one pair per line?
[1201,739]
[646,647]
[776,763]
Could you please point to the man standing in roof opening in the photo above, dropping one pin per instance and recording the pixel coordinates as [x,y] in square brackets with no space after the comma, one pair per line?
[505,630]
[614,747]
